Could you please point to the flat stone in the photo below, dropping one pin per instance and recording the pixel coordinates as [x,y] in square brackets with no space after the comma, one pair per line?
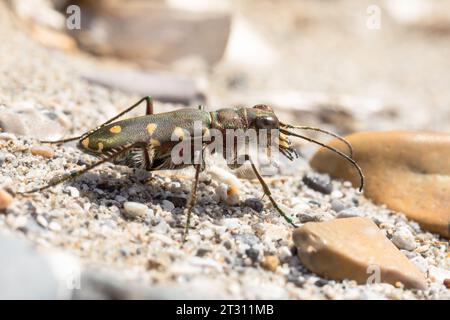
[354,248]
[409,172]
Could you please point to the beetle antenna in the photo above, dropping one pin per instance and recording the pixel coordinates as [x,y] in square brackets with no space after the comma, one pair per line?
[343,155]
[342,139]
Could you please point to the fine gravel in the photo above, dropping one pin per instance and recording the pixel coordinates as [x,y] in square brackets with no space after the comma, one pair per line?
[92,220]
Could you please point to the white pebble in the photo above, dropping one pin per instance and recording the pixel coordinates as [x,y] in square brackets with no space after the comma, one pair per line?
[336,194]
[54,226]
[404,239]
[42,221]
[74,193]
[284,253]
[135,209]
[347,184]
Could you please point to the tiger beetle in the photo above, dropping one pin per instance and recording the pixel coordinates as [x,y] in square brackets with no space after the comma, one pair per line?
[146,142]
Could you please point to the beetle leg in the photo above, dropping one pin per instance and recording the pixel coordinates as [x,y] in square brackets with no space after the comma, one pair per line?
[192,199]
[268,193]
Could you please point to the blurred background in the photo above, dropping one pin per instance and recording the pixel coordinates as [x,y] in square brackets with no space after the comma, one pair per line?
[346,64]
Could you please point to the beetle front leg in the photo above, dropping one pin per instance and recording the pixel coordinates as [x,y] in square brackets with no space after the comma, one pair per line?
[268,193]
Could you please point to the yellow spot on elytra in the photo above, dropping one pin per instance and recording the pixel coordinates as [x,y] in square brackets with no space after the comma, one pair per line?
[115,129]
[100,147]
[206,133]
[232,190]
[155,143]
[151,128]
[85,143]
[179,132]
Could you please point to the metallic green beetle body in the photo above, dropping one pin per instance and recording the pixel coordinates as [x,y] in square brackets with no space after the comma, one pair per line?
[153,135]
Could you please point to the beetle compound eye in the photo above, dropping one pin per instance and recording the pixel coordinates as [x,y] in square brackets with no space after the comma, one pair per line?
[267,122]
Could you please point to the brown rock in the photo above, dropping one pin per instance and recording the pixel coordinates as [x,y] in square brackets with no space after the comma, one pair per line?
[353,248]
[270,263]
[164,86]
[5,199]
[125,29]
[409,172]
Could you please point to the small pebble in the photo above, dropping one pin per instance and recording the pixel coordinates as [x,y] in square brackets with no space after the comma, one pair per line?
[447,283]
[350,212]
[177,201]
[284,253]
[420,263]
[255,204]
[42,151]
[201,252]
[337,205]
[270,263]
[404,239]
[252,253]
[54,226]
[135,209]
[231,223]
[318,182]
[321,282]
[74,193]
[120,198]
[42,221]
[5,199]
[336,194]
[167,205]
[164,228]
